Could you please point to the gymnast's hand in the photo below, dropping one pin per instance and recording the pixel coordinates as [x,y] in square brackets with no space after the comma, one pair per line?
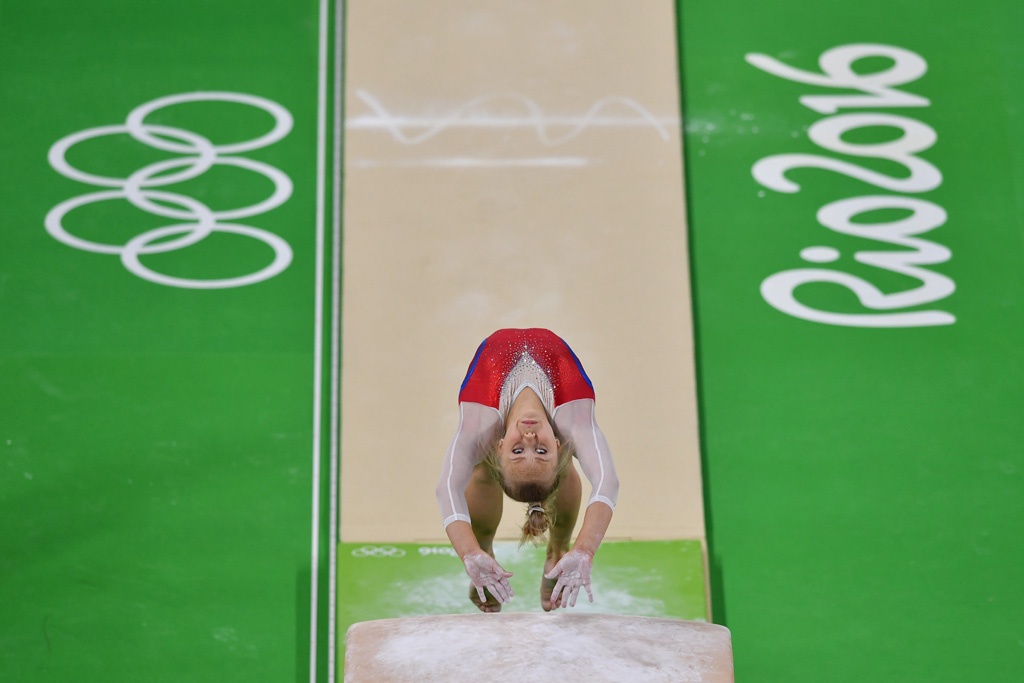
[572,571]
[485,572]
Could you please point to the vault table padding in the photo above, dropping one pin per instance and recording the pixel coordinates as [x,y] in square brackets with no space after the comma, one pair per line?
[524,647]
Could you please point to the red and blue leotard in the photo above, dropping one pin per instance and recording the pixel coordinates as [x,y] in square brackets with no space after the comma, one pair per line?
[499,354]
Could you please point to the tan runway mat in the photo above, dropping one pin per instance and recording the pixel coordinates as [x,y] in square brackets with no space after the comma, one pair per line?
[513,165]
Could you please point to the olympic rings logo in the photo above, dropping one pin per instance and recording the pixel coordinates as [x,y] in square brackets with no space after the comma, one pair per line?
[378,551]
[196,221]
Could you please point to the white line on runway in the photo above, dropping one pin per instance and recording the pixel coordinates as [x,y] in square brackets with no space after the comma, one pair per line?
[367,122]
[318,327]
[339,14]
[477,162]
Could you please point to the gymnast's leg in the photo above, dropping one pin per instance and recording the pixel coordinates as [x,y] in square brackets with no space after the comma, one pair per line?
[567,508]
[484,497]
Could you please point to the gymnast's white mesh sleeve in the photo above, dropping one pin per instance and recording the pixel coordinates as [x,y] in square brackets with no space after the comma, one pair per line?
[477,425]
[575,419]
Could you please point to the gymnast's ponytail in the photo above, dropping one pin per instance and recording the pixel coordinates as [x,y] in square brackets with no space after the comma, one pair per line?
[537,522]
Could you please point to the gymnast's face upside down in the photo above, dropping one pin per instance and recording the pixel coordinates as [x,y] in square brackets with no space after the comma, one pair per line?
[528,452]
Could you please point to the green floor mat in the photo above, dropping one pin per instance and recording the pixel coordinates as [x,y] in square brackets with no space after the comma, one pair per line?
[643,578]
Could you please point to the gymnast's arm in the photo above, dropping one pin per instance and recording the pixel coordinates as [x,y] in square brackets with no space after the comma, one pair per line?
[576,418]
[476,424]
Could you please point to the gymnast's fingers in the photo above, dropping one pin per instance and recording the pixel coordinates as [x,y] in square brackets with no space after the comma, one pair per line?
[508,587]
[572,597]
[498,591]
[589,593]
[556,591]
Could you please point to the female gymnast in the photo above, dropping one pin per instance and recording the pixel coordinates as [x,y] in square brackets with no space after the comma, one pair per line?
[526,408]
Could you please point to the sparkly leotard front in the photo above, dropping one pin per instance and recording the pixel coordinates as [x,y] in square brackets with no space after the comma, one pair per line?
[510,360]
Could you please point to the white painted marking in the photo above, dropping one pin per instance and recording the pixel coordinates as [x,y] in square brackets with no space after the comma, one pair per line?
[473,115]
[332,636]
[477,162]
[198,221]
[321,116]
[137,245]
[820,254]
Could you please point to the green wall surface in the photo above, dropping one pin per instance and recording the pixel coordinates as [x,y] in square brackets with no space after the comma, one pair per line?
[156,447]
[864,484]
